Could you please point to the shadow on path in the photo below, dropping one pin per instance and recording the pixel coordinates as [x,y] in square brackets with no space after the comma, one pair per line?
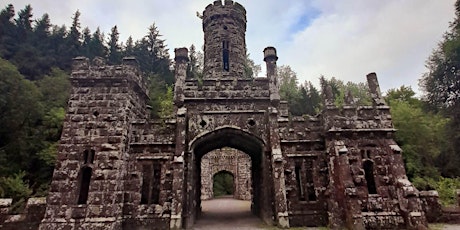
[227,213]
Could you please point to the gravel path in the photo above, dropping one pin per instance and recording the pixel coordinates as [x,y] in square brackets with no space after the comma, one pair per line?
[227,213]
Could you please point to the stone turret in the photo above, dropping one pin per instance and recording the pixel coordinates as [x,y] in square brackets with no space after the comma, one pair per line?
[224,27]
[270,59]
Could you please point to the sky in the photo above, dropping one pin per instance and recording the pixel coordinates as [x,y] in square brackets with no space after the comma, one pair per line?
[344,39]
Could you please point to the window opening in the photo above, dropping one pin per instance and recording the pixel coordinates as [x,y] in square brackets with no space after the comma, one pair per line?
[298,178]
[91,156]
[88,156]
[369,175]
[85,156]
[310,184]
[85,177]
[151,179]
[225,55]
[156,184]
[146,179]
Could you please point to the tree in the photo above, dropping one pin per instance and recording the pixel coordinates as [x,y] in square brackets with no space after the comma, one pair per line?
[20,110]
[114,48]
[129,47]
[441,84]
[303,99]
[24,23]
[8,41]
[359,91]
[421,135]
[74,37]
[96,45]
[289,90]
[195,65]
[251,70]
[85,45]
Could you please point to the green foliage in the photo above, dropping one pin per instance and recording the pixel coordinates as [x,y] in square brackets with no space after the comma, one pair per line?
[195,64]
[420,134]
[251,70]
[15,186]
[303,99]
[359,91]
[447,188]
[35,59]
[166,103]
[441,85]
[114,48]
[223,184]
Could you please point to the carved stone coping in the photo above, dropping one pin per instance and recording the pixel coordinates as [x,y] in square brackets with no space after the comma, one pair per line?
[227,99]
[301,141]
[332,130]
[234,112]
[304,154]
[161,157]
[152,143]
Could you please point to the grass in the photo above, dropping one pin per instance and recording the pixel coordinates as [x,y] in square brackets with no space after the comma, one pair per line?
[438,226]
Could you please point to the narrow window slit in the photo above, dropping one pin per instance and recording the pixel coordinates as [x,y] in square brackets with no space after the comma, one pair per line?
[300,191]
[225,55]
[85,178]
[369,175]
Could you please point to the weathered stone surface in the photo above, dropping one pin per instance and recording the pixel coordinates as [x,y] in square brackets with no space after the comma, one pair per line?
[229,160]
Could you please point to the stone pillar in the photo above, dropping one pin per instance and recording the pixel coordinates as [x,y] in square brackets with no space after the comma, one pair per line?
[374,89]
[270,59]
[277,161]
[180,75]
[458,197]
[431,205]
[178,183]
[344,209]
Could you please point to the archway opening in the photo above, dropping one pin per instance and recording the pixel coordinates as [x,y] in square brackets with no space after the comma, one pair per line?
[258,168]
[223,184]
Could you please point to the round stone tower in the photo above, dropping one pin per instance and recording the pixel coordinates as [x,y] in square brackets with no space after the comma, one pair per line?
[224,27]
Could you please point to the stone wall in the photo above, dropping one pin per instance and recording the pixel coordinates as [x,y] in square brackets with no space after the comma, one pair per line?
[30,218]
[230,160]
[224,27]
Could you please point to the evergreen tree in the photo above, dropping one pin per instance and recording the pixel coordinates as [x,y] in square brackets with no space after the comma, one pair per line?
[24,23]
[8,41]
[195,64]
[114,56]
[85,46]
[96,45]
[129,48]
[74,37]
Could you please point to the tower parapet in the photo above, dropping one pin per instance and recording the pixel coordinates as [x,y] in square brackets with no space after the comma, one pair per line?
[224,27]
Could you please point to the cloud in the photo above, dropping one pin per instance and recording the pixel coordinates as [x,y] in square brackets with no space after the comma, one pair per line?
[352,38]
[344,39]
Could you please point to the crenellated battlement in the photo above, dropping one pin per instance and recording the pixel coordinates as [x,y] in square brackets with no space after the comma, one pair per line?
[86,72]
[358,118]
[224,27]
[229,9]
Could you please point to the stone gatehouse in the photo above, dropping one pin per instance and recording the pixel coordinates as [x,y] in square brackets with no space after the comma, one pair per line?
[119,169]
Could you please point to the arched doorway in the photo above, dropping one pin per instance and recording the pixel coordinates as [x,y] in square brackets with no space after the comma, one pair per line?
[223,184]
[221,163]
[254,147]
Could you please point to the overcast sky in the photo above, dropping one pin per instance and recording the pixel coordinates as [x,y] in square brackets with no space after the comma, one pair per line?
[345,39]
